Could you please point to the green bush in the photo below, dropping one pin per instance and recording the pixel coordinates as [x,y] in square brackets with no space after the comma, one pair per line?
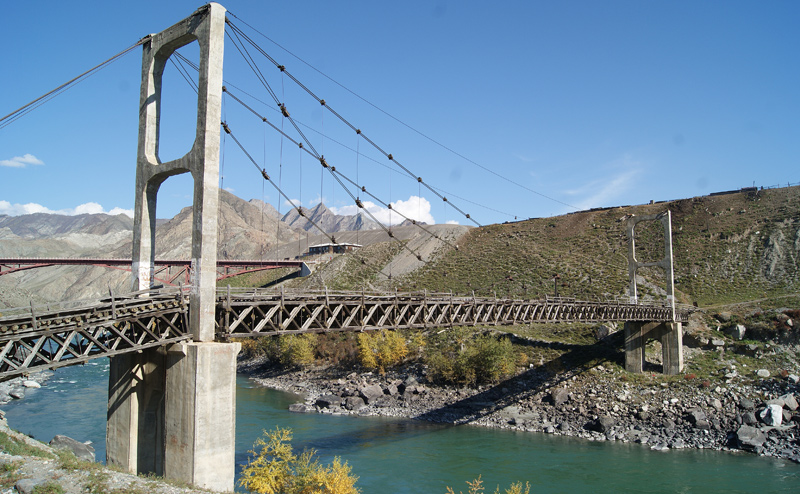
[49,487]
[458,357]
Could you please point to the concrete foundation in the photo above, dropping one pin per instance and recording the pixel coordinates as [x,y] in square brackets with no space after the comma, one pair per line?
[173,413]
[135,418]
[637,334]
[200,414]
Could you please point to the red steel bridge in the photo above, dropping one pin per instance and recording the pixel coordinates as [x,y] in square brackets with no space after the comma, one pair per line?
[169,272]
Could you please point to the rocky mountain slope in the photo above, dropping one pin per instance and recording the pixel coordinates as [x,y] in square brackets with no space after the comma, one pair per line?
[728,248]
[328,221]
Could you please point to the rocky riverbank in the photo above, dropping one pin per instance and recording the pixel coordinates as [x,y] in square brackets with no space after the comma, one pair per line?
[757,412]
[15,389]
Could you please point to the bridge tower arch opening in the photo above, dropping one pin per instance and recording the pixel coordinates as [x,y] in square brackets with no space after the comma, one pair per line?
[637,333]
[172,410]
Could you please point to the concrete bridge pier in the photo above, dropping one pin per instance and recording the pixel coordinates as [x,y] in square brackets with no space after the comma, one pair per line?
[670,334]
[172,411]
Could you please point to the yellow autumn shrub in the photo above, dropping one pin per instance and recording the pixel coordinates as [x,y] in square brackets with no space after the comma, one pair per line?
[381,350]
[274,468]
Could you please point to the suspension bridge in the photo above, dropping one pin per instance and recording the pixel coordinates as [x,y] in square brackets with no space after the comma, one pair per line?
[171,408]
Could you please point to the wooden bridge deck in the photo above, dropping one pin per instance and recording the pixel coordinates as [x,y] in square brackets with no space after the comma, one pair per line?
[38,338]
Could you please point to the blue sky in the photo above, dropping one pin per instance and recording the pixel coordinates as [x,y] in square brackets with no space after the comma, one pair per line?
[555,105]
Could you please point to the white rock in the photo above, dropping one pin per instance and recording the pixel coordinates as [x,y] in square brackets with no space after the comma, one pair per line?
[762,373]
[772,415]
[31,384]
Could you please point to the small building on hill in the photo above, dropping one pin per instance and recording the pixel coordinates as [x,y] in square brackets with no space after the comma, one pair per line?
[342,248]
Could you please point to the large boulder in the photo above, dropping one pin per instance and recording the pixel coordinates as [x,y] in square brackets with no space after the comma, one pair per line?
[603,424]
[328,401]
[736,331]
[371,393]
[559,396]
[354,403]
[750,438]
[789,401]
[79,449]
[698,418]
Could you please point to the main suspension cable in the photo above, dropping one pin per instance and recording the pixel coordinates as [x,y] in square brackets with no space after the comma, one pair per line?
[322,102]
[357,151]
[422,134]
[337,174]
[25,109]
[264,174]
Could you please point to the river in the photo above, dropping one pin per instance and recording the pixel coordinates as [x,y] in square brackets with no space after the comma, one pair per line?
[407,456]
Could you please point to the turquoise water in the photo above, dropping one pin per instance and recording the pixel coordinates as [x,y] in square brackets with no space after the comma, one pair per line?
[407,456]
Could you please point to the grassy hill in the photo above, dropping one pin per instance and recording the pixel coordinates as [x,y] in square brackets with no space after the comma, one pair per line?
[727,248]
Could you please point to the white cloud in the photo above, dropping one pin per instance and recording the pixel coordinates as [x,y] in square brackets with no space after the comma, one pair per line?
[416,208]
[22,161]
[452,222]
[126,212]
[229,189]
[88,208]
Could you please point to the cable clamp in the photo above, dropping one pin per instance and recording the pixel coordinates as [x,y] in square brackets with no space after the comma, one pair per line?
[359,203]
[323,162]
[419,179]
[264,174]
[322,102]
[284,111]
[225,126]
[281,68]
[391,158]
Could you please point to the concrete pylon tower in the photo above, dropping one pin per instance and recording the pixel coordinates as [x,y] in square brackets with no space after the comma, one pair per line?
[172,411]
[669,333]
[207,27]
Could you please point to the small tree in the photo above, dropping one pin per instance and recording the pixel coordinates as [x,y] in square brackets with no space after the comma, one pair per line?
[276,469]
